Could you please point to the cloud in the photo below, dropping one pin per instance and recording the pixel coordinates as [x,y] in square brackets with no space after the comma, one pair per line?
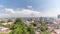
[9,12]
[19,12]
[52,12]
[22,13]
[31,13]
[29,6]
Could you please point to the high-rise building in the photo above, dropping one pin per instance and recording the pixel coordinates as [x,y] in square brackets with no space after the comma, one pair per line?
[58,16]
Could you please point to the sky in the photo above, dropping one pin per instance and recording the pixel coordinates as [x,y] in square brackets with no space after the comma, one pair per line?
[29,8]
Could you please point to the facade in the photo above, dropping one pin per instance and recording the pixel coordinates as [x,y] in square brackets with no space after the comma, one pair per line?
[58,16]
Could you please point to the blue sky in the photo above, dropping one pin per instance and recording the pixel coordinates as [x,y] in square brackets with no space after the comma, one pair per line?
[37,5]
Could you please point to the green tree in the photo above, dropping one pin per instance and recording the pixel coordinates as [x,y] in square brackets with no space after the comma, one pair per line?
[18,20]
[43,29]
[10,20]
[30,30]
[16,29]
[2,21]
[34,24]
[20,28]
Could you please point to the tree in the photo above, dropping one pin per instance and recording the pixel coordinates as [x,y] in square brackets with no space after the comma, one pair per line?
[43,29]
[45,32]
[18,20]
[10,20]
[20,28]
[30,30]
[34,24]
[16,29]
[2,21]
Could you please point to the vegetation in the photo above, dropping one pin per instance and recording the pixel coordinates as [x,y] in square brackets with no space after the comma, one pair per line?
[45,32]
[43,29]
[20,28]
[2,21]
[2,33]
[18,20]
[9,20]
[34,24]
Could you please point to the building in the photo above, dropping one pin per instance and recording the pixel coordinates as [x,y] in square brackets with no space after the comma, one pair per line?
[58,16]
